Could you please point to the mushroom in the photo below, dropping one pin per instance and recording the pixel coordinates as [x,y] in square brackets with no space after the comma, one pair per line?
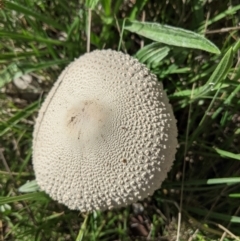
[106,135]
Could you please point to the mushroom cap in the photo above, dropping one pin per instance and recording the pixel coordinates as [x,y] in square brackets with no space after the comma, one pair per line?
[106,135]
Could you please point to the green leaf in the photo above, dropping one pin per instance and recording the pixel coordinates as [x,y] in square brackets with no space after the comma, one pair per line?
[4,208]
[228,154]
[9,73]
[152,53]
[171,35]
[29,186]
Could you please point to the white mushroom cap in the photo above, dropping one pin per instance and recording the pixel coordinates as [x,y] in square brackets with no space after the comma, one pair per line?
[106,135]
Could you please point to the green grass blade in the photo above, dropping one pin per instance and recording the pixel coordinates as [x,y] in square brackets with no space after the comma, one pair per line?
[227,181]
[227,154]
[219,216]
[234,195]
[25,197]
[29,37]
[83,229]
[73,27]
[219,73]
[20,55]
[228,12]
[28,68]
[5,127]
[223,67]
[15,71]
[228,101]
[212,181]
[138,6]
[91,3]
[106,4]
[171,35]
[30,12]
[236,46]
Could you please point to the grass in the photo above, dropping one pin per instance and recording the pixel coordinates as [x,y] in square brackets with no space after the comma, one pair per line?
[200,198]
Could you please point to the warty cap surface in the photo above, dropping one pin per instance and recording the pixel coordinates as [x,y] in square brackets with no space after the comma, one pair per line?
[106,135]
